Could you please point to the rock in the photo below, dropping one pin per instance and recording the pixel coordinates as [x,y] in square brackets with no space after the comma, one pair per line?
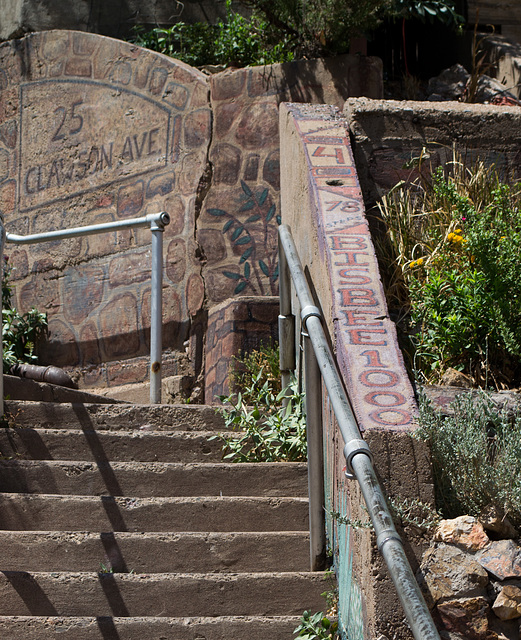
[467,616]
[449,85]
[493,519]
[507,605]
[464,531]
[447,572]
[489,90]
[502,559]
[454,378]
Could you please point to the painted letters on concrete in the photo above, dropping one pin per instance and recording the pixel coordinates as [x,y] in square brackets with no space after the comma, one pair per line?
[366,341]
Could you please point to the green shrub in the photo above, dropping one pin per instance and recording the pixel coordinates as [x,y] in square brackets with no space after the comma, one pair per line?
[452,255]
[236,41]
[476,456]
[20,332]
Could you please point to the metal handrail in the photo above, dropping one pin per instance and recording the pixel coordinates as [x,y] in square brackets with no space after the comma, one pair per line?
[157,222]
[359,463]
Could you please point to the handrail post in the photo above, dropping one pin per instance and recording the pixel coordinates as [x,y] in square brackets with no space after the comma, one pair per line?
[313,389]
[157,227]
[287,358]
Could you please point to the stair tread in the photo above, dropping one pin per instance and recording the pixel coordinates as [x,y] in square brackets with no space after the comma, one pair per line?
[168,594]
[155,552]
[200,547]
[150,627]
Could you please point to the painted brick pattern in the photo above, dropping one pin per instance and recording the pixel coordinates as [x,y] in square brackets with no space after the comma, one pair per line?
[236,326]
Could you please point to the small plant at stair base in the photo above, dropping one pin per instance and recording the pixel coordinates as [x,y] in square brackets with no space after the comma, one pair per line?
[316,627]
[20,332]
[105,568]
[269,432]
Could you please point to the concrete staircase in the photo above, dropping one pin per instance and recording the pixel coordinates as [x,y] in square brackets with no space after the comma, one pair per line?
[119,522]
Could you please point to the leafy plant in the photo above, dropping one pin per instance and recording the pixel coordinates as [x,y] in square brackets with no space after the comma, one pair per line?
[476,456]
[316,627]
[20,332]
[237,41]
[264,361]
[452,248]
[267,430]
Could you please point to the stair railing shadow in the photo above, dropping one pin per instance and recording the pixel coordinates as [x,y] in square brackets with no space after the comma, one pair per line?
[107,628]
[32,595]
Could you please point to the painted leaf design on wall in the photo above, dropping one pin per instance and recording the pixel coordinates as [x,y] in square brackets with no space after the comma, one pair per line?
[252,234]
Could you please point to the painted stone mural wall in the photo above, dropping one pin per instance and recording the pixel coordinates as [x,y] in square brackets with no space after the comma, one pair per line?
[237,227]
[94,130]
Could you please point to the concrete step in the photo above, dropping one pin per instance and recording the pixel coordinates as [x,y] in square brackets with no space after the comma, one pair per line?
[153,479]
[159,594]
[144,446]
[19,511]
[125,417]
[154,552]
[148,628]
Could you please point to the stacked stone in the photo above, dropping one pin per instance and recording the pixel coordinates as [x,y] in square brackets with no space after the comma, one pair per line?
[471,578]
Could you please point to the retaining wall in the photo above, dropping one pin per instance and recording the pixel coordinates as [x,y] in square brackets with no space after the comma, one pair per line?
[94,129]
[323,204]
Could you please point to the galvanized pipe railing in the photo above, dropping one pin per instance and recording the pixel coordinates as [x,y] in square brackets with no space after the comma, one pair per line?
[359,463]
[157,223]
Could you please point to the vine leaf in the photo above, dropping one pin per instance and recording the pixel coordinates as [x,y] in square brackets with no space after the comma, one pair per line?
[246,255]
[264,268]
[237,232]
[249,204]
[247,270]
[232,275]
[227,225]
[279,220]
[217,212]
[253,218]
[246,189]
[271,213]
[240,287]
[263,196]
[243,240]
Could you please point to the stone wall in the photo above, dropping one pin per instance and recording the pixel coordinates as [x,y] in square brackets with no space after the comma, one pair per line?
[94,130]
[388,134]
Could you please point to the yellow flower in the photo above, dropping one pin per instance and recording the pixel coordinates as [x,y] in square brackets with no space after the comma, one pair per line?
[419,262]
[458,231]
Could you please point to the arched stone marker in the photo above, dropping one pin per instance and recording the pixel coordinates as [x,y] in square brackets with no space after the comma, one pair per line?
[94,130]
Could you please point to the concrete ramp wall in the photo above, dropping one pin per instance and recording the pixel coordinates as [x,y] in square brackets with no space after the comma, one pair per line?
[322,202]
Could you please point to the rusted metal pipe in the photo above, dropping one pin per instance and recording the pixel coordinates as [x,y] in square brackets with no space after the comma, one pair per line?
[51,374]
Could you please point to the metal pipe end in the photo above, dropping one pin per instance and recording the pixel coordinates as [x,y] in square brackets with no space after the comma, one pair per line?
[164,217]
